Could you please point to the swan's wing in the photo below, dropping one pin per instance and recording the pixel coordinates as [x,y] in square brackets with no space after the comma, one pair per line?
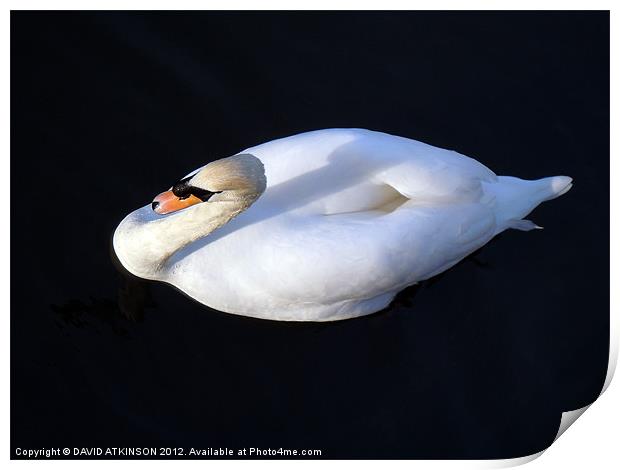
[422,172]
[347,170]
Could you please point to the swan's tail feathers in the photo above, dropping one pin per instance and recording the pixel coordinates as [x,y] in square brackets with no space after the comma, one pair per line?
[556,186]
[515,198]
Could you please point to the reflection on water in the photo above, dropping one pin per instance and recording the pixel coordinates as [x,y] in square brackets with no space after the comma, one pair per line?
[92,313]
[134,297]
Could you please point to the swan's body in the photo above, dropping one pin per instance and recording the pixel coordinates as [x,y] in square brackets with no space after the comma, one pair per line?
[348,218]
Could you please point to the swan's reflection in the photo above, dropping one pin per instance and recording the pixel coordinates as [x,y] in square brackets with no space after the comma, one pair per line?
[132,299]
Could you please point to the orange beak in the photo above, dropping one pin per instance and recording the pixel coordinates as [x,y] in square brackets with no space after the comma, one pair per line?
[167,202]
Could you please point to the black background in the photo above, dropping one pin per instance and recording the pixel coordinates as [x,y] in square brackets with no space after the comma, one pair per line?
[110,109]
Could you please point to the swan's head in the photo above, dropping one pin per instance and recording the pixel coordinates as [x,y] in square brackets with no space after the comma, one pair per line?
[237,178]
[212,196]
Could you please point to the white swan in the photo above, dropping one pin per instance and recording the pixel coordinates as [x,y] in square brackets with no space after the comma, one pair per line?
[324,225]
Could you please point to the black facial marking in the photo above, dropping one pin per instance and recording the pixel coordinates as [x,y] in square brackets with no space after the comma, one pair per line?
[203,194]
[183,189]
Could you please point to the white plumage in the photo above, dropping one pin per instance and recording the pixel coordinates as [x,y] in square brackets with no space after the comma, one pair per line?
[348,218]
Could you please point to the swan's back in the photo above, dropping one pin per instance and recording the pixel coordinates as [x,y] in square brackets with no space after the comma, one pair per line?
[352,170]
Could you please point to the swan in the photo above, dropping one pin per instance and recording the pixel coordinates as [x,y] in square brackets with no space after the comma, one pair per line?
[324,225]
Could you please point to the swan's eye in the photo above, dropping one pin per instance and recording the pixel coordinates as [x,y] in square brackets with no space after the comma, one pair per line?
[182,189]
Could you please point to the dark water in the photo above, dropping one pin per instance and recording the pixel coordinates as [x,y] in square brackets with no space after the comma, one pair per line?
[110,109]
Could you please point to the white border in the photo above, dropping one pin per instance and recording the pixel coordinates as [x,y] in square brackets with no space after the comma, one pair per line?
[592,443]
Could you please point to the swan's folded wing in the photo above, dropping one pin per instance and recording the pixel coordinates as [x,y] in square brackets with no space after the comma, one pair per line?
[422,172]
[438,176]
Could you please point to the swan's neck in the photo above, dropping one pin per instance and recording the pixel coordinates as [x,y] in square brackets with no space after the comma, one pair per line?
[144,242]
